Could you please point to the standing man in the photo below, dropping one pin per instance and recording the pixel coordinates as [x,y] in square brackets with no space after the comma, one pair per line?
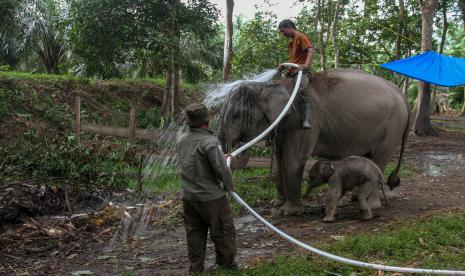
[205,180]
[301,53]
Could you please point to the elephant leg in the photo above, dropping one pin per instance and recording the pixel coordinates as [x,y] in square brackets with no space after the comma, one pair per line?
[365,192]
[373,200]
[332,198]
[294,149]
[292,189]
[277,179]
[354,194]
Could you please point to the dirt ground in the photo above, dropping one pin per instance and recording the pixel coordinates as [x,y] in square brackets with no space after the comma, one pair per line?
[134,247]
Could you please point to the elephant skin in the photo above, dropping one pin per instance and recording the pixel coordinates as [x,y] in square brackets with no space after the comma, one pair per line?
[353,114]
[345,175]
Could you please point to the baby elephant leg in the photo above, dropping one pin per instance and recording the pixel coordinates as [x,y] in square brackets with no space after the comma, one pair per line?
[354,194]
[332,198]
[373,200]
[365,192]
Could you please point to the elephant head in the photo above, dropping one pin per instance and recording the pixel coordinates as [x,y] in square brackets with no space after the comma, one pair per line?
[248,110]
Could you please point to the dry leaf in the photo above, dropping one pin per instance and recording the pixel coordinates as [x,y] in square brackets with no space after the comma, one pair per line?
[338,238]
[422,242]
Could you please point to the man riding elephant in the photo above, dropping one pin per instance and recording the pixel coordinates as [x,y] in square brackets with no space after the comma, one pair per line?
[300,52]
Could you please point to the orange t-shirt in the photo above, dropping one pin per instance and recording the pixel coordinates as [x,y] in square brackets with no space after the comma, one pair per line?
[298,48]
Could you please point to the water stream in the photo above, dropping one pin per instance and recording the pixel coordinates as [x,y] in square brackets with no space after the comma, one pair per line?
[160,171]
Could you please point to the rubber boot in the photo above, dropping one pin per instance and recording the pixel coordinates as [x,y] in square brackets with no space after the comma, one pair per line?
[306,116]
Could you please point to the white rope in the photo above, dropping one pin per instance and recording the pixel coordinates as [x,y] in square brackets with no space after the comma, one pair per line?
[306,246]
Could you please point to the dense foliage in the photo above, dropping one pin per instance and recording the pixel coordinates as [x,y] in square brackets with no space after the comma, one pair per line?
[122,38]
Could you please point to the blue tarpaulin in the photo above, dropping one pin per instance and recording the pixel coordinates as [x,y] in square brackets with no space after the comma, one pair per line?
[431,67]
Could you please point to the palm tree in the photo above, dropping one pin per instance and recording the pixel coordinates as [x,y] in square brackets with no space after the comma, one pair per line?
[46,42]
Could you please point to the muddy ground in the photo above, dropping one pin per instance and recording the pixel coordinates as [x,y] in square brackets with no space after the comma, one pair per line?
[132,246]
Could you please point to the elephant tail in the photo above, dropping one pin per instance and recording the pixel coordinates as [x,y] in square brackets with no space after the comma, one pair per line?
[393,179]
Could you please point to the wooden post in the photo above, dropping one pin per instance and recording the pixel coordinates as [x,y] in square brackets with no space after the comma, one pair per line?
[139,175]
[132,125]
[77,109]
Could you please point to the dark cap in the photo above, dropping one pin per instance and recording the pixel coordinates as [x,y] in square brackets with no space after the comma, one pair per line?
[197,114]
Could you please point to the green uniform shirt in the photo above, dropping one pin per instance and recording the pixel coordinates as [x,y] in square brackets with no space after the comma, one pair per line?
[204,173]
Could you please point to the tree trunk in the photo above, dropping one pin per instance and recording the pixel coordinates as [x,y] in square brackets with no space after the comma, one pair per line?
[432,107]
[337,12]
[228,39]
[175,76]
[445,26]
[175,63]
[400,28]
[405,87]
[407,80]
[422,123]
[321,40]
[166,95]
[462,7]
[462,113]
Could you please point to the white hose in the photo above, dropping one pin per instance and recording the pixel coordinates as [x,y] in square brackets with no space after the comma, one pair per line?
[306,246]
[278,119]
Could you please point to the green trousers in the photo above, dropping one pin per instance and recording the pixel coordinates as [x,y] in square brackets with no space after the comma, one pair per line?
[216,216]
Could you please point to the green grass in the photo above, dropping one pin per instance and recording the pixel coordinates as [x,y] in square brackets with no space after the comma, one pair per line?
[254,186]
[159,80]
[161,179]
[437,242]
[34,76]
[445,125]
[405,170]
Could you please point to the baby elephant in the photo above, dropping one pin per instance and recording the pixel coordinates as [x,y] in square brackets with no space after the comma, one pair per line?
[351,173]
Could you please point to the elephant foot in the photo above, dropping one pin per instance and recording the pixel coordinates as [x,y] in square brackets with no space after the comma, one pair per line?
[329,219]
[292,210]
[367,215]
[278,202]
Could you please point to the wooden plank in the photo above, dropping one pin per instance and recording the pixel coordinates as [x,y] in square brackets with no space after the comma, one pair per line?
[77,111]
[132,125]
[448,118]
[120,131]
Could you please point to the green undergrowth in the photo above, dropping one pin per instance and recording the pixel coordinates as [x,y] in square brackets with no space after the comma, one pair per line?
[450,128]
[446,125]
[161,179]
[405,170]
[37,139]
[436,242]
[253,184]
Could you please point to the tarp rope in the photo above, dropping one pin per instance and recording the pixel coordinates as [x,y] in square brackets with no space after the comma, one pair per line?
[304,245]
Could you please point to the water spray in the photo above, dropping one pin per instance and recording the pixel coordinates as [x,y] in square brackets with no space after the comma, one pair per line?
[294,240]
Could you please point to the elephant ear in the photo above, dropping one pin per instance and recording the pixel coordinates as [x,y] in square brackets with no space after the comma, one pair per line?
[327,168]
[273,99]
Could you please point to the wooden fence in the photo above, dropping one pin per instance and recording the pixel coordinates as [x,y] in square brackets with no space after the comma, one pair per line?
[130,132]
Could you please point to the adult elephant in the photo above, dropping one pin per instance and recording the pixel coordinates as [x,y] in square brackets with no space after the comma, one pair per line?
[353,113]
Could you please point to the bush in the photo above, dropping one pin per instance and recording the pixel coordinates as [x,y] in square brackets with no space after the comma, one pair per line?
[97,163]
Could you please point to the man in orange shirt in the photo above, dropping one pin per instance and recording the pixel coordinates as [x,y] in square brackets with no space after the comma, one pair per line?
[301,53]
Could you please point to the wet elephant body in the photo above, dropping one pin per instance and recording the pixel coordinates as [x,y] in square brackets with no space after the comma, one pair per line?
[353,113]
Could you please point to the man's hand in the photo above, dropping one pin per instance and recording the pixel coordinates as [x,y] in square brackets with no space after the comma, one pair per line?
[303,66]
[281,67]
[227,155]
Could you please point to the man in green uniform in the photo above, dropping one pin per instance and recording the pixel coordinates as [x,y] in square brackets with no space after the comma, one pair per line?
[205,180]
